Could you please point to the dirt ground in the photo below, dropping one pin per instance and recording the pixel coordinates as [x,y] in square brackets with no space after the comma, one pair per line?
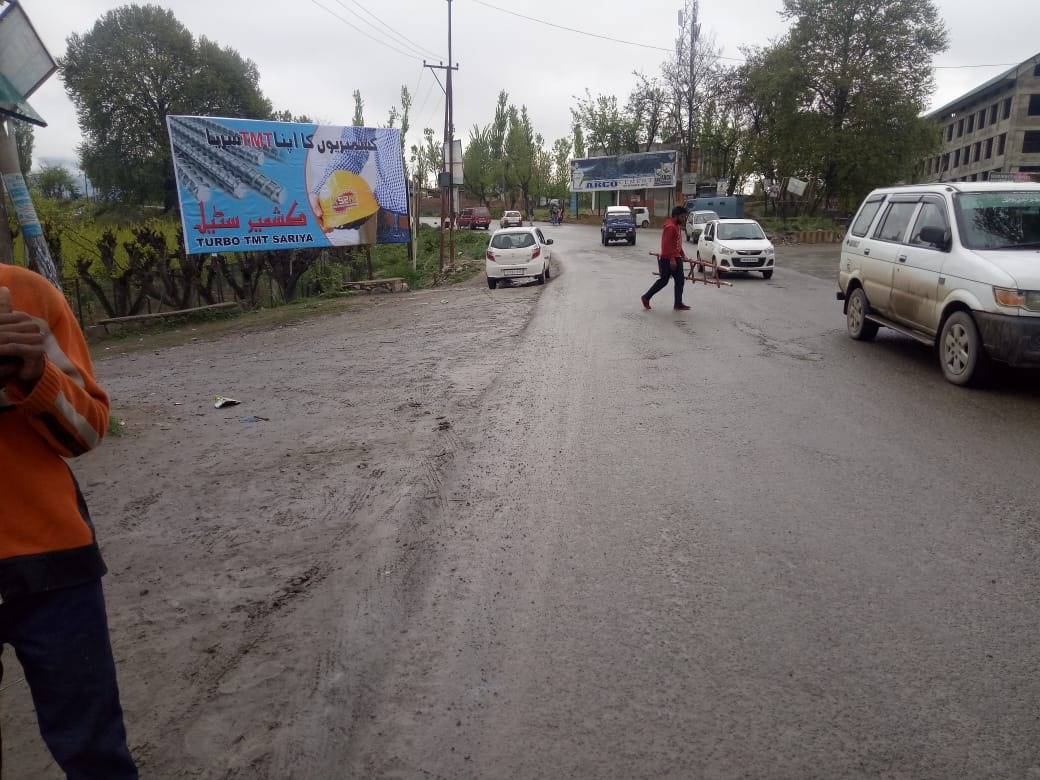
[312,499]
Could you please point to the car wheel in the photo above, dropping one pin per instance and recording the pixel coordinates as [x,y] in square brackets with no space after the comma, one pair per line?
[860,328]
[767,274]
[646,223]
[492,283]
[540,279]
[961,352]
[632,241]
[548,272]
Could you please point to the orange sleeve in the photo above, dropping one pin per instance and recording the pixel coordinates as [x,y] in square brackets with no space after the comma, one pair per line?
[67,407]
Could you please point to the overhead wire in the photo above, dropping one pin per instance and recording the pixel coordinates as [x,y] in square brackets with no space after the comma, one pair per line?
[641,45]
[419,47]
[367,35]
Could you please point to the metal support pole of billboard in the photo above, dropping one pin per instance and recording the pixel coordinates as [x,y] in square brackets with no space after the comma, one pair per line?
[416,203]
[36,249]
[451,143]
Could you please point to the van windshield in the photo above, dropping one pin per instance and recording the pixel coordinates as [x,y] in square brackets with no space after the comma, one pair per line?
[999,220]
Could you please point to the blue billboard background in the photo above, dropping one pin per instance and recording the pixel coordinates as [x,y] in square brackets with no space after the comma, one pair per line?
[246,185]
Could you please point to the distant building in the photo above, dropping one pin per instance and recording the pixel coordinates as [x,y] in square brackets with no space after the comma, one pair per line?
[992,132]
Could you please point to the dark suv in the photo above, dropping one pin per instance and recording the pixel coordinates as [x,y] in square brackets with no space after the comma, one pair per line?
[619,224]
[474,218]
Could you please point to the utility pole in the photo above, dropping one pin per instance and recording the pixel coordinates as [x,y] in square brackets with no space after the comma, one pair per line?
[691,98]
[447,193]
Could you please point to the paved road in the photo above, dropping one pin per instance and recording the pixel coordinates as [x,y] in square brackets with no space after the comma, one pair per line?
[728,542]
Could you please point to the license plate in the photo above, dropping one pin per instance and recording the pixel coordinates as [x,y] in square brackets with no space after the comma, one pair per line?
[513,272]
[620,235]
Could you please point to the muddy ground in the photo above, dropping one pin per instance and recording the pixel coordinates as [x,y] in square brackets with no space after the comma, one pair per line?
[255,551]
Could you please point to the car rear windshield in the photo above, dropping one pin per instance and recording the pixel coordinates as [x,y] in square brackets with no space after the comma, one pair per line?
[709,216]
[466,213]
[740,232]
[512,213]
[512,241]
[999,220]
[480,212]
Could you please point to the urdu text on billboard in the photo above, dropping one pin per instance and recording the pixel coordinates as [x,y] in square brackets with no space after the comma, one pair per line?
[624,172]
[247,185]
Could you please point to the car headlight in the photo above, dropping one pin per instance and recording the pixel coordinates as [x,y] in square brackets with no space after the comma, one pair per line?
[1017,299]
[725,251]
[770,251]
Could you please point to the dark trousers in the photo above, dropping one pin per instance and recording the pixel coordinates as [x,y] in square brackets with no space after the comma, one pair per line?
[61,640]
[666,271]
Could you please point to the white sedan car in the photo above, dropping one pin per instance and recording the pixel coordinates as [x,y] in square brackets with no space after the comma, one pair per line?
[518,253]
[737,245]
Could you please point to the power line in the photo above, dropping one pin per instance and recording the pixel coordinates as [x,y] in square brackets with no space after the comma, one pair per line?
[411,48]
[398,34]
[670,50]
[371,38]
[572,29]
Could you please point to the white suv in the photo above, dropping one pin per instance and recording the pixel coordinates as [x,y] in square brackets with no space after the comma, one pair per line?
[955,266]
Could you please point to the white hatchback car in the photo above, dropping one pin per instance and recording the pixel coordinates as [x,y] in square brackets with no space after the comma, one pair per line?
[511,219]
[737,245]
[518,253]
[955,266]
[642,216]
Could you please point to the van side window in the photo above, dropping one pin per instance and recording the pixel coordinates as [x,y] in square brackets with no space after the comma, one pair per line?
[895,222]
[932,215]
[866,216]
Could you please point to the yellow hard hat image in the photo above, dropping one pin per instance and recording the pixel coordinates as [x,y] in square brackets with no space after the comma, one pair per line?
[346,200]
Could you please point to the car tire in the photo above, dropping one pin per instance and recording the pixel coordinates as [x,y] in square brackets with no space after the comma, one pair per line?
[767,274]
[962,354]
[548,272]
[645,224]
[492,283]
[859,327]
[540,279]
[632,241]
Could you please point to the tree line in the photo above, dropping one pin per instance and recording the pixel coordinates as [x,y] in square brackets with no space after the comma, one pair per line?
[837,100]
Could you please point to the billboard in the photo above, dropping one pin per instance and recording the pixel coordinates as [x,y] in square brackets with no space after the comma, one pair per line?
[625,172]
[246,185]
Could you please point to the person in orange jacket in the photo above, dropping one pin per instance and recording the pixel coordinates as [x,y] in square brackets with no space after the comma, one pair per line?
[52,611]
[670,262]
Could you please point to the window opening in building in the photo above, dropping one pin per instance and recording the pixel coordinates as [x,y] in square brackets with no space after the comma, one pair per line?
[1034,105]
[1031,142]
[989,148]
[993,114]
[1007,109]
[971,124]
[1001,143]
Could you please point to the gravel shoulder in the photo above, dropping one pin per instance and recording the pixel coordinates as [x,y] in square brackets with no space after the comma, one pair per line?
[262,556]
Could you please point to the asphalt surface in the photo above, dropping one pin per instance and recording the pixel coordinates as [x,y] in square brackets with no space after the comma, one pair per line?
[729,542]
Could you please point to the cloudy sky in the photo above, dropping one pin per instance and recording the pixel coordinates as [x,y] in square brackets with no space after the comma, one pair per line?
[311,61]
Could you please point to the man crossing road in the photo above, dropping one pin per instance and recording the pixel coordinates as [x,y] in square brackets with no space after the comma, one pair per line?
[670,263]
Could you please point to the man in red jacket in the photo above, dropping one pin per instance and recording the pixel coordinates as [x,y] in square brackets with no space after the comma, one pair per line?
[670,263]
[52,612]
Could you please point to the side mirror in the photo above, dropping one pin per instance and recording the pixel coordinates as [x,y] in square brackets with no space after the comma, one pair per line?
[936,236]
[548,241]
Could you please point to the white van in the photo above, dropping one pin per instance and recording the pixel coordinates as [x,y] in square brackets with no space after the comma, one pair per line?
[955,266]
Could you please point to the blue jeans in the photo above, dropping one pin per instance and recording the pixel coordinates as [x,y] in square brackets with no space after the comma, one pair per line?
[61,640]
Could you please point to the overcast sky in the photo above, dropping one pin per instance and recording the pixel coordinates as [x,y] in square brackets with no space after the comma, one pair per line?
[311,62]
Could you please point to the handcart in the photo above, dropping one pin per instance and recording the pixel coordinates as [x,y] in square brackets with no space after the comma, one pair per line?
[699,272]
